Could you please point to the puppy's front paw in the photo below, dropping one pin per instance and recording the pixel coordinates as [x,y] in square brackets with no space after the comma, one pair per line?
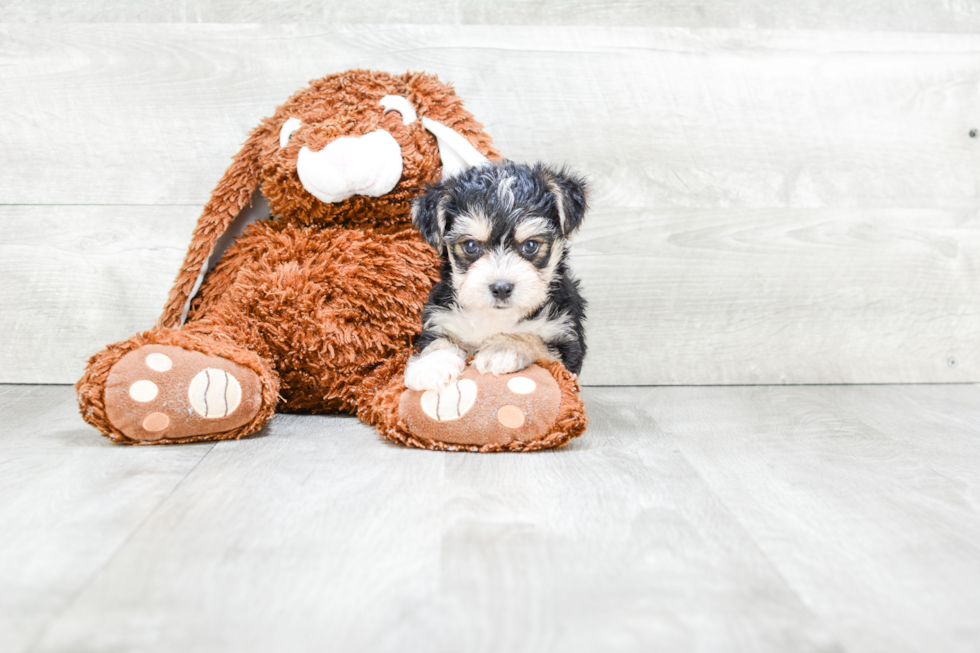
[500,360]
[434,370]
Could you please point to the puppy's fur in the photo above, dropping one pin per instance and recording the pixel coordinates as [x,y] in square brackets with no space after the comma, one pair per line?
[506,295]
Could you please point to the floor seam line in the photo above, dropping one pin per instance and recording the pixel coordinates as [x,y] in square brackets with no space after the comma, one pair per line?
[98,571]
[758,547]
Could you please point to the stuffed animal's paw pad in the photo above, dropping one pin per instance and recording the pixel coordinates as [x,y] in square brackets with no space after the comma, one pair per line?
[452,402]
[484,409]
[521,385]
[214,393]
[166,392]
[159,362]
[512,416]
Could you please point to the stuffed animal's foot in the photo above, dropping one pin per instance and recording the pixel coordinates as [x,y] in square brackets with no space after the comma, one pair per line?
[165,392]
[535,408]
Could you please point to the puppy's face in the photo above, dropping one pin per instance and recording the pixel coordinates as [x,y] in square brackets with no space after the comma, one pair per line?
[502,229]
[502,261]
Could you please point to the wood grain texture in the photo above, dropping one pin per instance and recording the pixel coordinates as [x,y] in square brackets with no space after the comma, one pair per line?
[769,207]
[69,502]
[806,518]
[686,297]
[151,114]
[694,296]
[864,498]
[610,544]
[870,15]
[76,278]
[319,536]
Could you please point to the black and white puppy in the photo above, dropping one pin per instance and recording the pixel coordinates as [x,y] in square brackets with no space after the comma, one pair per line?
[506,295]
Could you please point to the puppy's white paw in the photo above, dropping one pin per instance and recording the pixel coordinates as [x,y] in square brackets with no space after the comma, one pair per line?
[434,370]
[500,360]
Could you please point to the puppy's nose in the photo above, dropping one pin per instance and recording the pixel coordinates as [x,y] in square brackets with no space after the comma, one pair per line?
[501,289]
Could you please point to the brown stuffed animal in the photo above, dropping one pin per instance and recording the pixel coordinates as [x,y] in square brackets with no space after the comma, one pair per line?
[315,308]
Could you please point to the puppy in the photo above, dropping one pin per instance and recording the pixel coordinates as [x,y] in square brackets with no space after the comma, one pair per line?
[506,295]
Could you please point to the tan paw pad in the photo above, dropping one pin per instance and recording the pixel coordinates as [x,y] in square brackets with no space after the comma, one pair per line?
[156,422]
[511,416]
[484,409]
[164,392]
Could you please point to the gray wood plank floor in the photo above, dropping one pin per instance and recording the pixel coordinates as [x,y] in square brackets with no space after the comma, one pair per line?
[792,518]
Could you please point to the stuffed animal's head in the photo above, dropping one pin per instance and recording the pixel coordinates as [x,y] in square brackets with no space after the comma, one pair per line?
[355,148]
[352,150]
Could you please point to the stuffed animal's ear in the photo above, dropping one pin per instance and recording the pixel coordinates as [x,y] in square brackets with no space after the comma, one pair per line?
[429,216]
[231,195]
[456,152]
[462,141]
[571,198]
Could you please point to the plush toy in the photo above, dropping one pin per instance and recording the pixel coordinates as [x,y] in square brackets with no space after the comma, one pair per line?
[314,308]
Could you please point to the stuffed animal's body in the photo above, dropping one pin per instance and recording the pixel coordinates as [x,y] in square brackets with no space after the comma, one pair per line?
[315,307]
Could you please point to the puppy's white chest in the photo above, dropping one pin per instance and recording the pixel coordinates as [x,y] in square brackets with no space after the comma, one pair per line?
[472,328]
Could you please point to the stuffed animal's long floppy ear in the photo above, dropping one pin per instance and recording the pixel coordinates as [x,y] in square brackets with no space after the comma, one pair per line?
[429,217]
[230,196]
[571,197]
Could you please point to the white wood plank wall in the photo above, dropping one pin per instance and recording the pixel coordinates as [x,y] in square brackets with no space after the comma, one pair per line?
[867,15]
[784,192]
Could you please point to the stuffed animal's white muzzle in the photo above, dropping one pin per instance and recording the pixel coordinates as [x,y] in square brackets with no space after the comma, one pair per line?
[364,165]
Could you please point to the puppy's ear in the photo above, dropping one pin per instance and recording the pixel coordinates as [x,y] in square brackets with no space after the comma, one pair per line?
[571,197]
[429,217]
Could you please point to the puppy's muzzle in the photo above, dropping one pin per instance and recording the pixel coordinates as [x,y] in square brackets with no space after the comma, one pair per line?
[368,165]
[501,290]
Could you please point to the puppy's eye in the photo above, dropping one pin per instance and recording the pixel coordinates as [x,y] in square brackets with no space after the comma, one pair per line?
[287,130]
[472,247]
[530,248]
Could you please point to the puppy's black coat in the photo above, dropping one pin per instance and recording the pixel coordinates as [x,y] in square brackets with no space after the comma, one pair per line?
[501,197]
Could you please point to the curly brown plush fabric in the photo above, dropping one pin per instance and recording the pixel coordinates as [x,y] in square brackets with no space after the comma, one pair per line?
[313,309]
[346,104]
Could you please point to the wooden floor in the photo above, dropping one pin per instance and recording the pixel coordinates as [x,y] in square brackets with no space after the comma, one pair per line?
[793,518]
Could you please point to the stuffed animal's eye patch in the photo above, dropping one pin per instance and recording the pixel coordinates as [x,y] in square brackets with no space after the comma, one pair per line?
[402,106]
[287,130]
